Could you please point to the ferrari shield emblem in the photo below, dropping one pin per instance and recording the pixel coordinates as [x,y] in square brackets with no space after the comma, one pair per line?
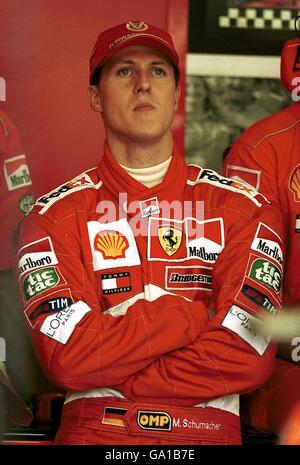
[170,238]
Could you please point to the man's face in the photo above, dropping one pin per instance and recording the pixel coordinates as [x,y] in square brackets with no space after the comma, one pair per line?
[137,95]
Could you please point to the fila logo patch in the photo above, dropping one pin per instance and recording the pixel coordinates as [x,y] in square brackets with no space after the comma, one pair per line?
[267,242]
[114,283]
[16,172]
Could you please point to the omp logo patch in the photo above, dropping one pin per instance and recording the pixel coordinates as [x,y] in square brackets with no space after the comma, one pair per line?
[35,255]
[16,172]
[151,420]
[244,324]
[39,281]
[266,273]
[188,277]
[267,242]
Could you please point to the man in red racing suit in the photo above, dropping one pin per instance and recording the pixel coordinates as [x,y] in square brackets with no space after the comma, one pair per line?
[142,301]
[266,156]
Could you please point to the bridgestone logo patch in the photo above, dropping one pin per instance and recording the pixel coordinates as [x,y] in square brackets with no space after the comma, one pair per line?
[187,278]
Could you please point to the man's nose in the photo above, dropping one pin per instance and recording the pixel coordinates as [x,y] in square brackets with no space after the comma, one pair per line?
[142,83]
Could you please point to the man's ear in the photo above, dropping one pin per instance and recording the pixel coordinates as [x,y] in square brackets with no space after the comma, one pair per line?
[94,97]
[177,96]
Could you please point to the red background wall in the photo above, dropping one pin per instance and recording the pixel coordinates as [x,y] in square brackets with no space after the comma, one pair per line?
[44,51]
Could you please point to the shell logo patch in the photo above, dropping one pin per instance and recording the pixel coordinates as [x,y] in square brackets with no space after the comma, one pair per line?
[295,183]
[112,244]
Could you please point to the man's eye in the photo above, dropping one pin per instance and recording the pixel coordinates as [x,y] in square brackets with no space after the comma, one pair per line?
[159,72]
[124,72]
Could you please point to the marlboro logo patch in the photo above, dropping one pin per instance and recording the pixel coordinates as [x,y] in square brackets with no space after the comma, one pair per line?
[267,242]
[16,172]
[37,254]
[113,283]
[149,207]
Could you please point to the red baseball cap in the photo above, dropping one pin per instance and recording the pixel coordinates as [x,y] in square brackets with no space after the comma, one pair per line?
[118,37]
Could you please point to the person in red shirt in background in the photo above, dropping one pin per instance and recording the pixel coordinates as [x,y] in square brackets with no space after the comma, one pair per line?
[19,371]
[267,157]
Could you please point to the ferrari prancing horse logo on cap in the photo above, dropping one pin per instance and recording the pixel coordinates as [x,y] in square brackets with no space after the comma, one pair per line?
[169,238]
[136,26]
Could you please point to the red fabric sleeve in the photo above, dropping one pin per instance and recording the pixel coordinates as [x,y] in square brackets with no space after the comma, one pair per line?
[101,349]
[229,356]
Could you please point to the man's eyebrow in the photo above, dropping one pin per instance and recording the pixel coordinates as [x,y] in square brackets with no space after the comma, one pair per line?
[132,62]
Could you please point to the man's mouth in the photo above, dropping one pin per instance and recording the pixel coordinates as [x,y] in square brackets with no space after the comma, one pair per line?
[144,107]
